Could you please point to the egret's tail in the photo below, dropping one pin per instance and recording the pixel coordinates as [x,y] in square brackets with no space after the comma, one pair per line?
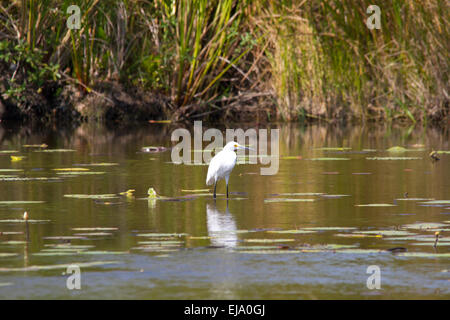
[209,180]
[209,177]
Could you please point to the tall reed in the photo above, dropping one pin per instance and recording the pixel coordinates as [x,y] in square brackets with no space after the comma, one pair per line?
[325,61]
[317,58]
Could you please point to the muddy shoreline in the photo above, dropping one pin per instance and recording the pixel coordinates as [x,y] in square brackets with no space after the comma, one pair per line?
[114,104]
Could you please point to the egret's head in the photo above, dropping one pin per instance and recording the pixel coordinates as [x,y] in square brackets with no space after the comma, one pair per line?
[234,146]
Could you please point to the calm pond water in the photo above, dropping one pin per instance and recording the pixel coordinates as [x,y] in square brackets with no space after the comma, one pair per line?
[250,247]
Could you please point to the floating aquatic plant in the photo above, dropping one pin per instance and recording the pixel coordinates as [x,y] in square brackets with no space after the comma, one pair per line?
[375,205]
[328,159]
[271,200]
[92,196]
[60,266]
[393,158]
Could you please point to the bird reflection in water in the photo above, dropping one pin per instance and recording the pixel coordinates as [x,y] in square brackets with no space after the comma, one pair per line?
[221,226]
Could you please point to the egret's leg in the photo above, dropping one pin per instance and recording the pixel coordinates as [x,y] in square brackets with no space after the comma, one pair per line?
[215,185]
[226,179]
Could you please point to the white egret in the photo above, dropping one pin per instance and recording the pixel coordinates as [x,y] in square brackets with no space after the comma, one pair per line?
[222,164]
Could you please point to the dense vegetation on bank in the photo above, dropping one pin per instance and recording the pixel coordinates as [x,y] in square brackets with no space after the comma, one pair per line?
[216,59]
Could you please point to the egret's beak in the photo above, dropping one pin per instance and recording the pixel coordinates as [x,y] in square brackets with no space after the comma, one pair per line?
[245,148]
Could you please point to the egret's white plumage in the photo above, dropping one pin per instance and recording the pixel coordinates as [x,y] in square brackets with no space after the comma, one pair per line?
[222,164]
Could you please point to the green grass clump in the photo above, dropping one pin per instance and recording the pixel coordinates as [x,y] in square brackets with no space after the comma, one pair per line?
[314,59]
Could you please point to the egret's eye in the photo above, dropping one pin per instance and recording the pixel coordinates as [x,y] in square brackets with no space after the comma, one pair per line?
[235,145]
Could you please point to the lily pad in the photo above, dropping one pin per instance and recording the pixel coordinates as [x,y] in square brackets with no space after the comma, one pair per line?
[94,234]
[271,200]
[328,159]
[56,150]
[360,251]
[425,238]
[15,178]
[63,237]
[23,221]
[256,247]
[60,266]
[222,232]
[200,238]
[414,199]
[424,255]
[393,158]
[91,196]
[335,196]
[444,202]
[328,247]
[195,190]
[279,251]
[71,169]
[154,248]
[103,252]
[161,234]
[5,284]
[376,205]
[7,254]
[62,249]
[8,203]
[56,253]
[195,195]
[297,194]
[330,228]
[43,145]
[295,231]
[96,229]
[334,148]
[358,235]
[267,240]
[163,243]
[396,149]
[13,242]
[387,232]
[98,164]
[76,173]
[430,244]
[424,225]
[68,246]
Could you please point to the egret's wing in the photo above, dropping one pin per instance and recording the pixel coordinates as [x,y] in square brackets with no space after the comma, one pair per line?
[220,166]
[227,163]
[212,170]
